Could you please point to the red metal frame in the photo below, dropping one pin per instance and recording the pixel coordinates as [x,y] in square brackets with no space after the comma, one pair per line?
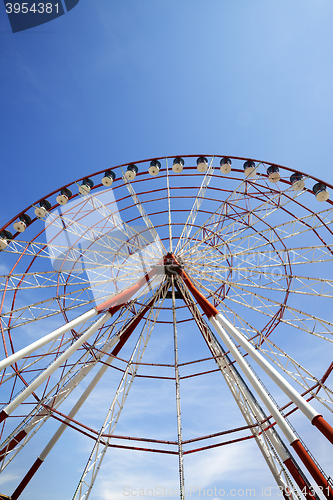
[116,302]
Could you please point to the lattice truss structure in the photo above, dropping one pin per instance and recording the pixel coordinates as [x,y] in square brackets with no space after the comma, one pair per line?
[225,266]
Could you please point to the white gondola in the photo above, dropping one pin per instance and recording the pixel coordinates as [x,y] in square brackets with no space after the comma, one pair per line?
[21,225]
[131,172]
[225,165]
[86,186]
[5,236]
[321,192]
[297,182]
[202,164]
[154,167]
[108,178]
[249,168]
[273,173]
[42,211]
[178,165]
[64,196]
[3,243]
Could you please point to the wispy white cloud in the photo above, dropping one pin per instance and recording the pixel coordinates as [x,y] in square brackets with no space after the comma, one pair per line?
[6,477]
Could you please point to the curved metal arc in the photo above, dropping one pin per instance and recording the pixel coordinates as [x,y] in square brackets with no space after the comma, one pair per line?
[288,169]
[221,212]
[31,308]
[222,325]
[128,331]
[56,364]
[220,217]
[260,339]
[114,303]
[302,222]
[297,312]
[40,414]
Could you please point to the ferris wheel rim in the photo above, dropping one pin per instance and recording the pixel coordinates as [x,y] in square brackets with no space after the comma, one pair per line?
[193,226]
[52,193]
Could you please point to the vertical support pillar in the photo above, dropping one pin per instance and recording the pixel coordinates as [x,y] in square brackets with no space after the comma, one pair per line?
[123,339]
[219,322]
[179,422]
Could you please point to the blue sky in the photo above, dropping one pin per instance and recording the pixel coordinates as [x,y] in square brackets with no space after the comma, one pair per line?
[115,82]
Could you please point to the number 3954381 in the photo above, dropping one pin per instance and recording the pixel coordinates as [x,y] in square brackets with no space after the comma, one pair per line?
[36,8]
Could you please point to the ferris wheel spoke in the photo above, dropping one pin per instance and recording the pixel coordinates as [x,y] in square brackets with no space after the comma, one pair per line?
[236,234]
[268,307]
[315,287]
[108,428]
[251,279]
[251,217]
[302,316]
[39,280]
[294,321]
[79,297]
[187,228]
[268,235]
[296,318]
[295,256]
[296,371]
[266,278]
[44,309]
[99,252]
[111,220]
[13,358]
[56,279]
[151,228]
[21,437]
[282,256]
[218,217]
[69,381]
[56,364]
[284,361]
[169,205]
[216,223]
[262,248]
[115,302]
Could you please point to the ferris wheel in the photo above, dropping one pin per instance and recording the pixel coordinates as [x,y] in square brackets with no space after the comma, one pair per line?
[224,266]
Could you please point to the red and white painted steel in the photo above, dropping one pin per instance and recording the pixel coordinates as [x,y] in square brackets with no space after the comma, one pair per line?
[256,256]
